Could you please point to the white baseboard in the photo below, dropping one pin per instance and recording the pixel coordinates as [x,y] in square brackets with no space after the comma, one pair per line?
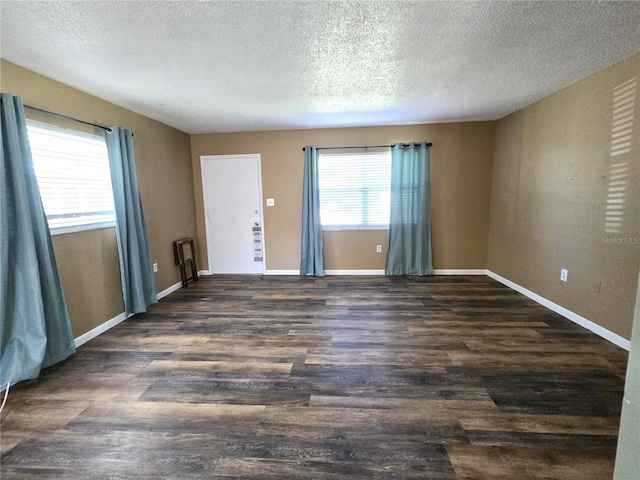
[171,289]
[282,272]
[574,317]
[354,272]
[453,271]
[380,272]
[91,334]
[327,272]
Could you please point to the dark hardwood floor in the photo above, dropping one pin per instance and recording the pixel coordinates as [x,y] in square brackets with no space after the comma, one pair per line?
[242,377]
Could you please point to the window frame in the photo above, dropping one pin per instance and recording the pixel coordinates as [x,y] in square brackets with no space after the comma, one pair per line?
[355,157]
[87,225]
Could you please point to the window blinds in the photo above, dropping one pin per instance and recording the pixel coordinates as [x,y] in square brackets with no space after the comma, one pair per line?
[355,189]
[73,175]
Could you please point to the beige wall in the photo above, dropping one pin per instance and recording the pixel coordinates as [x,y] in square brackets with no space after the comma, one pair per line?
[461,159]
[88,261]
[549,201]
[539,204]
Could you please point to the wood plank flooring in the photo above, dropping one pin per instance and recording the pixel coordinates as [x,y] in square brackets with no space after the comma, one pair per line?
[240,377]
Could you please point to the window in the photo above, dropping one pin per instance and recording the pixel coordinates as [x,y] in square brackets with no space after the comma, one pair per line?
[355,190]
[72,169]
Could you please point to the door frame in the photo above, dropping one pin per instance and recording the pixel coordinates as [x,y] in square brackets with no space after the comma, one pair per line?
[203,159]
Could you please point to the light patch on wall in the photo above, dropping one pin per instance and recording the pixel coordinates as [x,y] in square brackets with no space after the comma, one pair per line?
[624,102]
[616,193]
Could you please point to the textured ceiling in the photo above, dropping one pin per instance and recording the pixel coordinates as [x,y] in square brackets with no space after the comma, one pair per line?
[214,66]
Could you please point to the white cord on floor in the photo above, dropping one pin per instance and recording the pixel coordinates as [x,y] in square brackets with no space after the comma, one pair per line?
[6,395]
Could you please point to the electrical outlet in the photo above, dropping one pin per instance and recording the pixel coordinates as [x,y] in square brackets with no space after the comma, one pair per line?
[271,202]
[155,267]
[563,274]
[379,248]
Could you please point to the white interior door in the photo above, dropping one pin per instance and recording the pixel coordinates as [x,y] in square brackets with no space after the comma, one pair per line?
[232,186]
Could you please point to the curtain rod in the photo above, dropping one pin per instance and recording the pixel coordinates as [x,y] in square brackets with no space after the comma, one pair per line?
[304,149]
[59,115]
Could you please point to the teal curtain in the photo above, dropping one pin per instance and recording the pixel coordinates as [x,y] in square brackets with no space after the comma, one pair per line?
[136,270]
[35,330]
[311,261]
[409,251]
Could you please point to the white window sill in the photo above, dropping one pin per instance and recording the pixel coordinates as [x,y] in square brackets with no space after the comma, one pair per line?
[337,228]
[81,228]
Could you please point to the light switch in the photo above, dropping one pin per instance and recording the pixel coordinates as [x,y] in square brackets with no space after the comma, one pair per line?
[271,202]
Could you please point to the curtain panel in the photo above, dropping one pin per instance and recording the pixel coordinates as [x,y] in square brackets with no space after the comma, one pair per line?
[311,254]
[136,269]
[35,329]
[409,251]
